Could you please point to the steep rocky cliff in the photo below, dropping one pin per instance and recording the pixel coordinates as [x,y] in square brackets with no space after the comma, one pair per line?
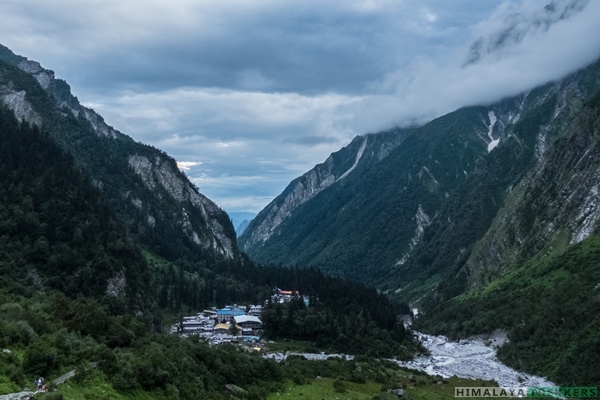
[367,224]
[405,220]
[534,195]
[141,183]
[363,150]
[557,202]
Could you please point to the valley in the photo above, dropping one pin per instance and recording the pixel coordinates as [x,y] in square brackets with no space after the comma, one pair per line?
[459,251]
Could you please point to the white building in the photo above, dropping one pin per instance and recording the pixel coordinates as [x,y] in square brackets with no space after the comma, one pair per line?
[248,321]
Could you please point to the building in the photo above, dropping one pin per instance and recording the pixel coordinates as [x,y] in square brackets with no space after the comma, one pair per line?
[222,329]
[255,310]
[191,325]
[284,296]
[228,313]
[248,321]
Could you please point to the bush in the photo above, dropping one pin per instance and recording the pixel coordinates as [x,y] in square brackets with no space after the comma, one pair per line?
[339,386]
[49,396]
[357,377]
[40,358]
[299,380]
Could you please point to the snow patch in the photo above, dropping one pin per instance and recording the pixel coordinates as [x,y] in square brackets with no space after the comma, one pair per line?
[493,142]
[358,157]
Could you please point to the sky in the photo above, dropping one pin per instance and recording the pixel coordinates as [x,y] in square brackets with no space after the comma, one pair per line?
[247,95]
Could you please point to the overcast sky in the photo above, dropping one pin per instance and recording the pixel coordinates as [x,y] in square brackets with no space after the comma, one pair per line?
[249,94]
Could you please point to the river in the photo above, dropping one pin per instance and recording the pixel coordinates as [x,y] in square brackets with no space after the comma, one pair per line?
[472,358]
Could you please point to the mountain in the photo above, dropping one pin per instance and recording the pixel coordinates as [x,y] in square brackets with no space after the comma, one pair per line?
[100,237]
[366,224]
[140,183]
[242,227]
[487,217]
[241,220]
[377,220]
[56,231]
[339,166]
[535,270]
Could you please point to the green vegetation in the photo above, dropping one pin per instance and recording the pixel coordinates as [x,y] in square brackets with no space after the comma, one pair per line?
[525,277]
[78,293]
[496,251]
[550,309]
[93,253]
[363,323]
[364,378]
[106,161]
[359,227]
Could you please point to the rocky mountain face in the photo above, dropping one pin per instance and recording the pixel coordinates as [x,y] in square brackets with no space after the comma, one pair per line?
[496,220]
[449,196]
[485,218]
[534,273]
[367,224]
[361,152]
[57,233]
[142,184]
[556,204]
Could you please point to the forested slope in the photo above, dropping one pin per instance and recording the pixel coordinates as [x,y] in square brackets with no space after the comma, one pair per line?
[78,292]
[484,218]
[102,237]
[141,184]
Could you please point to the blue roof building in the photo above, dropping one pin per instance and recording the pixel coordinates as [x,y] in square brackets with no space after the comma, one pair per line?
[227,313]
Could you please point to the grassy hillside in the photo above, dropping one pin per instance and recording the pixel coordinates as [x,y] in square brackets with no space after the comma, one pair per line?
[550,309]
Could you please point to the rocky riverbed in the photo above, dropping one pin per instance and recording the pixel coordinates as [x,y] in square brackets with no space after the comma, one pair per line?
[473,358]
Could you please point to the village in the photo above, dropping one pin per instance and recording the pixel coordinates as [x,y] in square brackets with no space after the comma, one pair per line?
[232,323]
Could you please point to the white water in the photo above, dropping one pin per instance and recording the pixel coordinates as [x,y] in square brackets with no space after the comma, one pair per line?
[473,358]
[470,358]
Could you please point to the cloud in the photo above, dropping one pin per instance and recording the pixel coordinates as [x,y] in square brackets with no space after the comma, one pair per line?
[186,165]
[250,94]
[531,53]
[302,46]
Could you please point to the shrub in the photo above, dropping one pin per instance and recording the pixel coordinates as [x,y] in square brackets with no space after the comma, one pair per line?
[339,386]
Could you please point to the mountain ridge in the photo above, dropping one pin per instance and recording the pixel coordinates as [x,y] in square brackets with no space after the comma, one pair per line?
[485,218]
[335,168]
[199,222]
[430,163]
